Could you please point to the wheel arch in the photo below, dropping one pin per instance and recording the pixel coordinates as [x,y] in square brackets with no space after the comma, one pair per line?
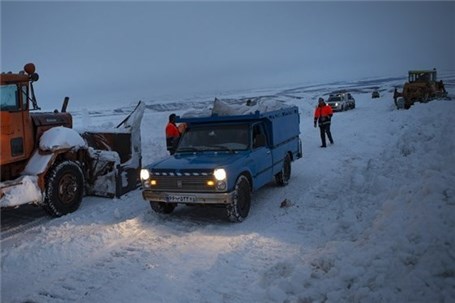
[42,162]
[248,176]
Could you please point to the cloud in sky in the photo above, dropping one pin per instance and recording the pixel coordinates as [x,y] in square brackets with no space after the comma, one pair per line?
[125,51]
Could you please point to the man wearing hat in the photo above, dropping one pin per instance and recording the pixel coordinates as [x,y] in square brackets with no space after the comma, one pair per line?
[323,115]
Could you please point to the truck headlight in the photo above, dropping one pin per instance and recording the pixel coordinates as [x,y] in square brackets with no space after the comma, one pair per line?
[221,185]
[145,175]
[220,174]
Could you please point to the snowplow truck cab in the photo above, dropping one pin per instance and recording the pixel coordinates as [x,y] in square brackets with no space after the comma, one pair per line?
[422,86]
[45,161]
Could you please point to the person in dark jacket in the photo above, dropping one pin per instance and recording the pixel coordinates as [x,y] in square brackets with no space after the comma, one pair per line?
[323,116]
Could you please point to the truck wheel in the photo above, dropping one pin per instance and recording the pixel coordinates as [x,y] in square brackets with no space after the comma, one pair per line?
[162,208]
[64,189]
[407,104]
[282,178]
[238,210]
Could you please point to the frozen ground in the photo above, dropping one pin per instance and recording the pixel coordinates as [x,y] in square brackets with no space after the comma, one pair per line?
[369,219]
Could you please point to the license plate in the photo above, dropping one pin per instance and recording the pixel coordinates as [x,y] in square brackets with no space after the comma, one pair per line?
[180,199]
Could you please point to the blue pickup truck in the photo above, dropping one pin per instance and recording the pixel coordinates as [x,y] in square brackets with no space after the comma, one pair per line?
[222,159]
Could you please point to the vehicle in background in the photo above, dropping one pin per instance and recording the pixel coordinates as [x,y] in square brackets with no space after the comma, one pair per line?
[422,86]
[46,162]
[375,94]
[341,101]
[221,159]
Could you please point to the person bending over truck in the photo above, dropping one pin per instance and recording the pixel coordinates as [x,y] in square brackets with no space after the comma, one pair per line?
[172,134]
[323,115]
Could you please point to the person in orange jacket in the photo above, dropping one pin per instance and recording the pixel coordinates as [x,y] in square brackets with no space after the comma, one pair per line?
[172,134]
[323,115]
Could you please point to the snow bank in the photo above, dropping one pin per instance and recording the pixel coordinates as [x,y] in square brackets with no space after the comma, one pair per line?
[25,190]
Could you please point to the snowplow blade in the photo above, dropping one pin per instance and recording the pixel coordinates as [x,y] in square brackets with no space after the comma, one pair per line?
[115,157]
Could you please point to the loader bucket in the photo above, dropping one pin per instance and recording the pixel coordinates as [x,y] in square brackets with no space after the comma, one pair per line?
[115,158]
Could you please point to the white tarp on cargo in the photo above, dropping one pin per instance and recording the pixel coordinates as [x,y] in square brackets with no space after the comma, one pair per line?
[238,107]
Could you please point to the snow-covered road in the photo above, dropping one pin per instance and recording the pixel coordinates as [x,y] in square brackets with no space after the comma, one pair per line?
[368,219]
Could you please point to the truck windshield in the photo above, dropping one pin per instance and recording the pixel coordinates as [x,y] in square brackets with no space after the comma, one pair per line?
[9,98]
[334,99]
[215,138]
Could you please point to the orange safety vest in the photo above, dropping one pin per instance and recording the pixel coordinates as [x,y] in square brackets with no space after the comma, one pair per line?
[172,131]
[323,114]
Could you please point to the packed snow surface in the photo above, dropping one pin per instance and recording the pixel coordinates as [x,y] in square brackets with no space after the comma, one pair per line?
[368,219]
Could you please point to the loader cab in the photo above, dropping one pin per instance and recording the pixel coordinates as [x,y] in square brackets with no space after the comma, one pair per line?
[16,128]
[423,76]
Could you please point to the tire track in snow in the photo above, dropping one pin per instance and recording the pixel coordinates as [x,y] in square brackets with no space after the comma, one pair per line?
[9,233]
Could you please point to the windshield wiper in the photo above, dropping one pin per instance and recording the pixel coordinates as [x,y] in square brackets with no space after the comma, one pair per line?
[221,147]
[187,149]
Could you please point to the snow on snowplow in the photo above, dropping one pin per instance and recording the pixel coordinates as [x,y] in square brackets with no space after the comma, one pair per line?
[45,161]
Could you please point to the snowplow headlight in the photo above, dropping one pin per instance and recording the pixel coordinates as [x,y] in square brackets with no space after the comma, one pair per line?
[220,174]
[145,175]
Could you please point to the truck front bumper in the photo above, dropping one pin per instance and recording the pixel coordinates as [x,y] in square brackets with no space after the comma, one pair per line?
[188,198]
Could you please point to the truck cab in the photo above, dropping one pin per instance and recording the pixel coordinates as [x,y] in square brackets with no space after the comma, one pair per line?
[21,128]
[18,130]
[221,160]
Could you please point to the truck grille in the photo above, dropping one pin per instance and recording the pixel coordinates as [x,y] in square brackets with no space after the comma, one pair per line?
[182,182]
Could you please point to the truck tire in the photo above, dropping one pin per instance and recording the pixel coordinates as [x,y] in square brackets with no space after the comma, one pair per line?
[162,208]
[282,178]
[238,210]
[64,189]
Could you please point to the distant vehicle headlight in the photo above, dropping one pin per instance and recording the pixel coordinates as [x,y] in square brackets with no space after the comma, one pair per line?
[220,174]
[145,175]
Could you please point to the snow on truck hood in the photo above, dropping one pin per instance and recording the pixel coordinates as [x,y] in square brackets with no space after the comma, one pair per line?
[201,160]
[61,137]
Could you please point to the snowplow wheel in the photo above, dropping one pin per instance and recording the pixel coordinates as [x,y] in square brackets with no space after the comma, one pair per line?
[407,104]
[238,210]
[64,189]
[162,208]
[282,178]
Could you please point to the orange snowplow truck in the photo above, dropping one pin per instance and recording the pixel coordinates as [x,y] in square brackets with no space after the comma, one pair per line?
[45,161]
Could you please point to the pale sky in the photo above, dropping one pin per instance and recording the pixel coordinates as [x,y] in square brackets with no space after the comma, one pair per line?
[122,52]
